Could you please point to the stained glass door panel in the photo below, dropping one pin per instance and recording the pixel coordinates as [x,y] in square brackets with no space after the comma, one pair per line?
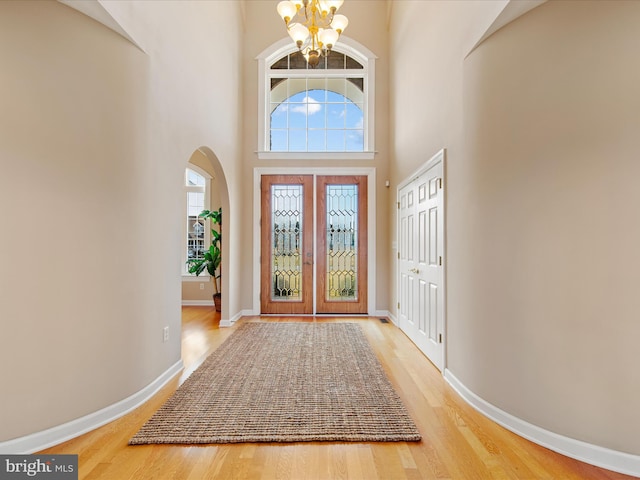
[342,244]
[287,244]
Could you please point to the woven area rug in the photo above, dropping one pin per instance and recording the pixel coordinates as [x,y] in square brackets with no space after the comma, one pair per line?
[284,382]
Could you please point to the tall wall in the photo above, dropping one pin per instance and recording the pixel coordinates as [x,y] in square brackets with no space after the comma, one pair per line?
[367,25]
[94,137]
[540,123]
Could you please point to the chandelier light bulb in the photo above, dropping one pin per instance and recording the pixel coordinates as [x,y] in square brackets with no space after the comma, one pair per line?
[328,37]
[286,10]
[330,4]
[313,25]
[339,23]
[298,33]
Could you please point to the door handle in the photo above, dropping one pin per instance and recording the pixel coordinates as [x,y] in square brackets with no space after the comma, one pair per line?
[415,270]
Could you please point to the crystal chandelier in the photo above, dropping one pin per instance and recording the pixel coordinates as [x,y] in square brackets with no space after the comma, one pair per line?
[313,25]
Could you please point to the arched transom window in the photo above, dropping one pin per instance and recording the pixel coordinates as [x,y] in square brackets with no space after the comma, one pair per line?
[322,112]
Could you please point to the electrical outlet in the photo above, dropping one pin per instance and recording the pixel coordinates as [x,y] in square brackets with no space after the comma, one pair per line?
[202,286]
[165,334]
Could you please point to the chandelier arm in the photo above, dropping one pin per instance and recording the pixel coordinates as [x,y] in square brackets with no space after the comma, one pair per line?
[315,24]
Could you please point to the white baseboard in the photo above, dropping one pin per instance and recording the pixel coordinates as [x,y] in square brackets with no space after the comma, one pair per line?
[197,303]
[61,433]
[230,322]
[585,452]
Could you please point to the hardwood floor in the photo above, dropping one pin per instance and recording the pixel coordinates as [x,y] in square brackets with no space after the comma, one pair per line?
[458,443]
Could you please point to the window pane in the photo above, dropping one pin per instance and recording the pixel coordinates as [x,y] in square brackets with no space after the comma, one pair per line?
[317,141]
[194,179]
[316,96]
[298,115]
[335,140]
[279,116]
[195,225]
[319,86]
[297,61]
[336,115]
[299,97]
[297,140]
[316,115]
[286,235]
[301,105]
[195,237]
[335,60]
[354,116]
[355,140]
[297,86]
[341,238]
[322,64]
[279,140]
[357,82]
[351,63]
[195,203]
[283,63]
[337,89]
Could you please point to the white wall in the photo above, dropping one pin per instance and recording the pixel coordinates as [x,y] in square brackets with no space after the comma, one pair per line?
[540,123]
[94,138]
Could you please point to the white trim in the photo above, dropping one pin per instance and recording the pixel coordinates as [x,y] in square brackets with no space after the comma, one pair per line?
[370,172]
[381,313]
[192,277]
[302,156]
[439,157]
[230,322]
[197,303]
[285,46]
[61,433]
[585,452]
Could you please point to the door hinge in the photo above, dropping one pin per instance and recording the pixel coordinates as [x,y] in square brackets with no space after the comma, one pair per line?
[440,260]
[398,205]
[398,255]
[439,338]
[398,305]
[440,182]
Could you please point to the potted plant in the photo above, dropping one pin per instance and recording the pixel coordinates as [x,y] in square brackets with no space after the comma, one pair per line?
[210,261]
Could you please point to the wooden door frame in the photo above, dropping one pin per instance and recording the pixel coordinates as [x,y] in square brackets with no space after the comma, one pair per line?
[370,173]
[323,304]
[301,305]
[439,157]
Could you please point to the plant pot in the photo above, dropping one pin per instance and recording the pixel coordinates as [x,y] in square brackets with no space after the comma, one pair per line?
[217,301]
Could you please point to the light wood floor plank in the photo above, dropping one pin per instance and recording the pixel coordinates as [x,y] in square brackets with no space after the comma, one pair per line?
[458,443]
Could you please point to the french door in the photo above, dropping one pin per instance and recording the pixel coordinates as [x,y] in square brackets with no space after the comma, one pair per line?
[313,244]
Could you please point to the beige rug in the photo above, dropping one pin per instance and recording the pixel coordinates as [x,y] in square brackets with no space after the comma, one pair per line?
[285,382]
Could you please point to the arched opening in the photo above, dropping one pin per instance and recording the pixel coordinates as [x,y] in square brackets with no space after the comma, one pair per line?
[199,290]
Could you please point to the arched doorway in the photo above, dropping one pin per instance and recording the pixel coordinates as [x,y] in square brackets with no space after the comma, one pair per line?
[199,290]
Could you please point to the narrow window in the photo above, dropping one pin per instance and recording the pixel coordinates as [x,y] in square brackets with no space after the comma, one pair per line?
[196,196]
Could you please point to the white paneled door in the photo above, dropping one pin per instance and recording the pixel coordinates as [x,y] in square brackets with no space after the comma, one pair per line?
[420,260]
